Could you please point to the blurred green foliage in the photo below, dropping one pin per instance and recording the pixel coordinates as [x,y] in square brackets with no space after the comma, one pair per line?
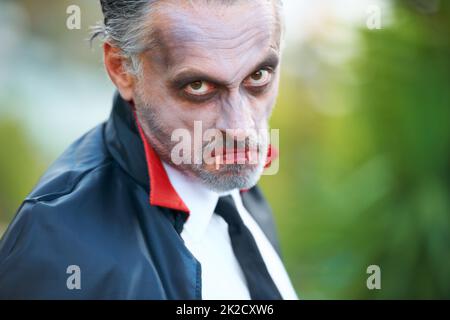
[21,164]
[371,186]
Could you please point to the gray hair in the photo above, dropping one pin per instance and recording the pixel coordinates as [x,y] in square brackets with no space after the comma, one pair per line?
[123,27]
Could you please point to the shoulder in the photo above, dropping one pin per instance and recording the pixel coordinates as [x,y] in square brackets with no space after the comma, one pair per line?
[70,218]
[256,204]
[85,156]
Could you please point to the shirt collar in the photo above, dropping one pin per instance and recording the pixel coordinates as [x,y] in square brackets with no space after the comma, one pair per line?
[200,200]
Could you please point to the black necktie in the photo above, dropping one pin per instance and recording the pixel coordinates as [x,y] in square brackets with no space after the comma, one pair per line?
[259,281]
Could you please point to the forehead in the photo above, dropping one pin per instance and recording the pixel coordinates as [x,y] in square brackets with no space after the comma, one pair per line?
[215,35]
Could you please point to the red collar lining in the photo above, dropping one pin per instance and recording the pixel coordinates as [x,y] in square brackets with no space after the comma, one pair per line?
[272,154]
[162,192]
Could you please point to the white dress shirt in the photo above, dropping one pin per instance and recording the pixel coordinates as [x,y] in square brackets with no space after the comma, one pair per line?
[206,236]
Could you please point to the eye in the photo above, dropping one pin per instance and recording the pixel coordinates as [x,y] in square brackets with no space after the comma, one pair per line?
[259,78]
[199,88]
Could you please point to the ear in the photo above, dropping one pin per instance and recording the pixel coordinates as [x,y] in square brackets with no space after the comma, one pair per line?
[115,66]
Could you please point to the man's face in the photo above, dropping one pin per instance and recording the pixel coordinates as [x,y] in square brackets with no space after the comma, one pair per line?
[217,64]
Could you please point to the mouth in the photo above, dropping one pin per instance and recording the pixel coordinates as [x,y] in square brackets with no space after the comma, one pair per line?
[245,155]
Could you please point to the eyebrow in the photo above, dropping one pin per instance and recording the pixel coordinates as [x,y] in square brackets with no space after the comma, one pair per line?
[186,76]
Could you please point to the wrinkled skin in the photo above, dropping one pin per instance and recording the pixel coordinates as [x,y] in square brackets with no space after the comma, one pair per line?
[215,63]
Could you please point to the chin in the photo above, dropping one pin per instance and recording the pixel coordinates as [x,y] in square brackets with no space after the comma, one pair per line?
[229,177]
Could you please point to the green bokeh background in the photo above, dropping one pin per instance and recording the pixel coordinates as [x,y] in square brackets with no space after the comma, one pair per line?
[364,155]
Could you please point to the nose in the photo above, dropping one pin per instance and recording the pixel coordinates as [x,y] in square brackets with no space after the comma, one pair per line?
[236,113]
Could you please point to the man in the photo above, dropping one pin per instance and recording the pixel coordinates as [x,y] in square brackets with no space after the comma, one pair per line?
[118,216]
